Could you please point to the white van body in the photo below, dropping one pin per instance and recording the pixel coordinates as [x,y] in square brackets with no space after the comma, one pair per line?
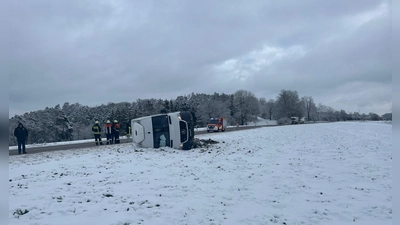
[294,120]
[174,130]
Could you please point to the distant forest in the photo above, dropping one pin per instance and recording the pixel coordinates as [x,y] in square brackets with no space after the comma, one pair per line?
[74,121]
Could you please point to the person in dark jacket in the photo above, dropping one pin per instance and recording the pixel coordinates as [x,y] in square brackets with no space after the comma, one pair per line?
[115,132]
[97,133]
[21,133]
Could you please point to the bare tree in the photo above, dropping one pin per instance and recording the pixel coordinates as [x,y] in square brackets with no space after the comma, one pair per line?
[263,108]
[213,106]
[270,108]
[374,116]
[288,104]
[309,107]
[266,108]
[246,106]
[327,113]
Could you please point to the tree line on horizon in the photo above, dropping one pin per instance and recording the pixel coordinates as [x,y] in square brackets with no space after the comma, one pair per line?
[74,121]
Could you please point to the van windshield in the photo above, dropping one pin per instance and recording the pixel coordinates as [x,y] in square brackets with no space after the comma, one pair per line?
[161,136]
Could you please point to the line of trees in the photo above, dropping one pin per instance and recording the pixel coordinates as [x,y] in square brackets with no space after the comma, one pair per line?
[74,121]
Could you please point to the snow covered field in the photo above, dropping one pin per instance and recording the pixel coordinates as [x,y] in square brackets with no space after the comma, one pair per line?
[331,173]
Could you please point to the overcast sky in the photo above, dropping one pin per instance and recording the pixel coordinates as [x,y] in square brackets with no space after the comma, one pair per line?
[95,52]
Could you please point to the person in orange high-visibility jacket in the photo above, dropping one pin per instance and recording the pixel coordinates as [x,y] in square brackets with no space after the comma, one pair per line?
[108,132]
[115,132]
[97,133]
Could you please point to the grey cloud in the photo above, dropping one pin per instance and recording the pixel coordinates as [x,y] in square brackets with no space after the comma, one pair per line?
[80,51]
[364,56]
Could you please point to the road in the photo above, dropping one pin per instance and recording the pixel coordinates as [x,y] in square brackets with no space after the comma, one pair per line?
[32,150]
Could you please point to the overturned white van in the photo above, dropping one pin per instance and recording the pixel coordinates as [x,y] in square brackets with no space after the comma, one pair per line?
[175,130]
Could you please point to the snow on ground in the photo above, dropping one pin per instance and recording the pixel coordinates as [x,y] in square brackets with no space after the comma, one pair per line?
[330,173]
[51,144]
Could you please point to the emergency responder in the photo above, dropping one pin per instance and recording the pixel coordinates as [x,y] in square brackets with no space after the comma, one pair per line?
[115,132]
[128,131]
[108,132]
[97,133]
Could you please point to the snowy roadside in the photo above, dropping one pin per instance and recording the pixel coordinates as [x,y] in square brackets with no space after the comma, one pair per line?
[259,122]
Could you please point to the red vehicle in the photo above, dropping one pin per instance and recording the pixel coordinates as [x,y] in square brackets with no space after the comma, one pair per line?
[217,124]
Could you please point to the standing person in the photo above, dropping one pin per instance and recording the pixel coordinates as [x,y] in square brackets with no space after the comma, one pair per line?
[97,133]
[108,132]
[128,131]
[115,132]
[21,133]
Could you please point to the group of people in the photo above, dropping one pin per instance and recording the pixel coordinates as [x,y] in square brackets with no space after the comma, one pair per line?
[112,132]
